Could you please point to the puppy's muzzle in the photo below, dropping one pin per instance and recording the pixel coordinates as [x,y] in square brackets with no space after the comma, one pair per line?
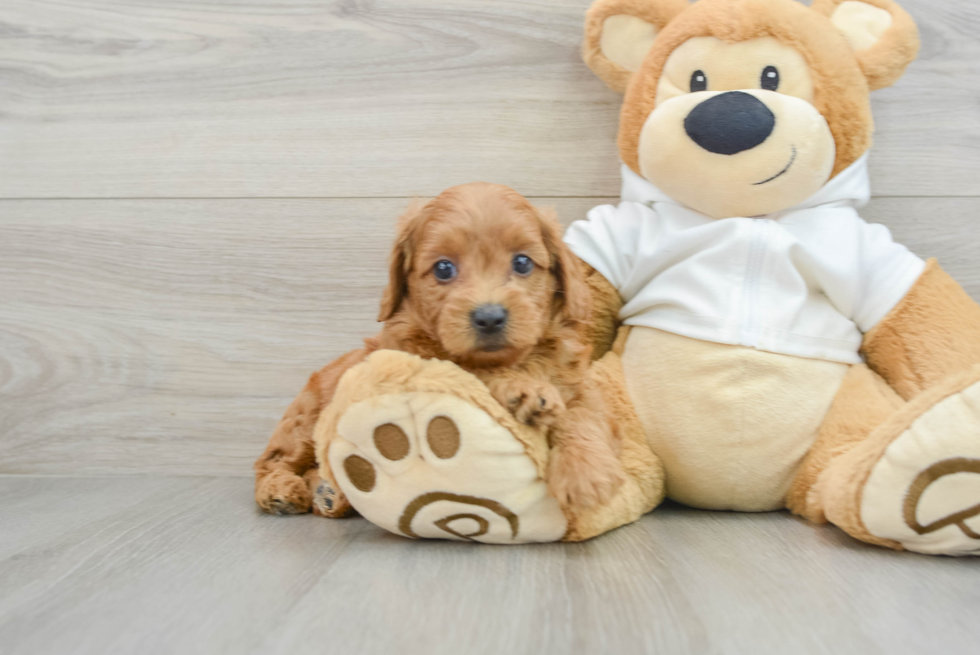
[489,320]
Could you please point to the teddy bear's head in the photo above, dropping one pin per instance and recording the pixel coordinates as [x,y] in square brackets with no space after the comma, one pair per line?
[746,107]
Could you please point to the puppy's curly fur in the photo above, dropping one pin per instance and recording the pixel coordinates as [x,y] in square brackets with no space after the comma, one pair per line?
[493,250]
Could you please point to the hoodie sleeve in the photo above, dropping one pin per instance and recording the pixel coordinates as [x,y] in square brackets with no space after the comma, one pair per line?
[609,238]
[888,271]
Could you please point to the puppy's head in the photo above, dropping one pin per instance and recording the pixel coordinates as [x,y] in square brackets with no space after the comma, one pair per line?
[484,273]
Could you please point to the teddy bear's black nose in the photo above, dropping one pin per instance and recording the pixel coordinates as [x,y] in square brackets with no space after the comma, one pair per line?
[730,123]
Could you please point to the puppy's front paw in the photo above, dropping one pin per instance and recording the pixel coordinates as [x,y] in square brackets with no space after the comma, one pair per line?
[530,401]
[584,477]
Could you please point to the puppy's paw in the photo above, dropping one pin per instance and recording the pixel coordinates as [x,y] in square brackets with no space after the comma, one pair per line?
[330,502]
[282,492]
[531,401]
[584,477]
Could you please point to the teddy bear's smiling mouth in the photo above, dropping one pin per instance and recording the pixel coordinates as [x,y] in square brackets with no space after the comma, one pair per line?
[792,159]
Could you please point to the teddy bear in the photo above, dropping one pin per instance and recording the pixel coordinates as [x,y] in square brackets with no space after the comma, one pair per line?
[781,352]
[764,347]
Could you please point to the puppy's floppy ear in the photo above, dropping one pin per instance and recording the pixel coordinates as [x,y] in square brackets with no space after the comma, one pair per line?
[400,260]
[575,295]
[620,33]
[884,37]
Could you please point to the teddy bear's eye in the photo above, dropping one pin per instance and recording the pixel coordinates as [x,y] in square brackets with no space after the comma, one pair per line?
[699,81]
[770,78]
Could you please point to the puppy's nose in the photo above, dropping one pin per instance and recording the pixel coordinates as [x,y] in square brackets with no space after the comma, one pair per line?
[729,123]
[489,319]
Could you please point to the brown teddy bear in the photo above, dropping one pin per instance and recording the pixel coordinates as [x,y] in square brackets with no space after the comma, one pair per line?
[771,348]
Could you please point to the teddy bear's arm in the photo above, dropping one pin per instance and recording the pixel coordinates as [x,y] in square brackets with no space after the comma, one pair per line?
[604,320]
[934,332]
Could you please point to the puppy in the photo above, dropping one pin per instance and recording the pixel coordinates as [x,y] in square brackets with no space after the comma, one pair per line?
[479,277]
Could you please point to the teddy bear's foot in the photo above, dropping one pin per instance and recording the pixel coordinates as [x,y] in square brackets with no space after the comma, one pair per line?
[915,483]
[420,448]
[432,465]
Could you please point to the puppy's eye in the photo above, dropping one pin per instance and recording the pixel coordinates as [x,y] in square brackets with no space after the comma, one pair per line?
[770,78]
[699,81]
[522,264]
[444,270]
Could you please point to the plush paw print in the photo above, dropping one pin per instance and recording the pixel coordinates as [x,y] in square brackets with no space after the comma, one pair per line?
[432,465]
[929,482]
[924,492]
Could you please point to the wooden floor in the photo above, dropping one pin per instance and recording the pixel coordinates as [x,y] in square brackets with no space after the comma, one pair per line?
[186,565]
[196,200]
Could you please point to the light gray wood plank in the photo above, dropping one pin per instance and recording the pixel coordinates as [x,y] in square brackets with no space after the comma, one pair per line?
[162,336]
[253,98]
[188,565]
[169,336]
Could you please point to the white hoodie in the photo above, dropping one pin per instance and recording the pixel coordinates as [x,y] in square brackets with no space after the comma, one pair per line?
[807,281]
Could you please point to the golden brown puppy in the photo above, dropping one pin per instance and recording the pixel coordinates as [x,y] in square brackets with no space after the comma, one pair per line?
[480,277]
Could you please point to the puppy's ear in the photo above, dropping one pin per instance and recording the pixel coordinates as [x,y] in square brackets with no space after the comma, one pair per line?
[575,295]
[883,35]
[400,260]
[620,33]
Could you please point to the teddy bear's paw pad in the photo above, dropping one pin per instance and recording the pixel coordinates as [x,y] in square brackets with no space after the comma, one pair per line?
[925,490]
[431,465]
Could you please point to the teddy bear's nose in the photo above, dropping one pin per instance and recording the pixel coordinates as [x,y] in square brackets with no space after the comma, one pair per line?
[729,123]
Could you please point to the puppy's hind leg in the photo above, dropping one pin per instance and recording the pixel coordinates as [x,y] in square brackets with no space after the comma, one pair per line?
[285,474]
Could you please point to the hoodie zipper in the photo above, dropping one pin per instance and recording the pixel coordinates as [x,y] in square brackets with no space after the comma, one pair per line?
[752,282]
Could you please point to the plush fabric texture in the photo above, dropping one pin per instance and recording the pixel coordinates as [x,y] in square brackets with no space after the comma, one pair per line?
[731,424]
[495,472]
[840,88]
[863,402]
[499,466]
[787,166]
[932,334]
[924,492]
[842,486]
[626,40]
[862,24]
[885,61]
[656,14]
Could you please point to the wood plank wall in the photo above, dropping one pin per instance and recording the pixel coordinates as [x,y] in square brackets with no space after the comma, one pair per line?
[197,196]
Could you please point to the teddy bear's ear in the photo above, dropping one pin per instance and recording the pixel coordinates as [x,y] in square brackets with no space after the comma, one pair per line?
[883,35]
[619,33]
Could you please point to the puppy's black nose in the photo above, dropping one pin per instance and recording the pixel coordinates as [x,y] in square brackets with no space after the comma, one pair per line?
[489,319]
[729,123]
